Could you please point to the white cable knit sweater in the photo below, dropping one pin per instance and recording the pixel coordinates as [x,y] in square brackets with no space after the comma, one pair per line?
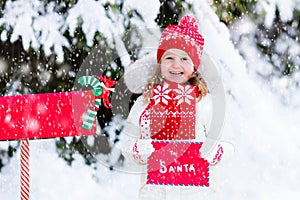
[131,135]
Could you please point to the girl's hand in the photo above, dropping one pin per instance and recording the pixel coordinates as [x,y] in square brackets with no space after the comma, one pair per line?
[142,149]
[215,155]
[223,151]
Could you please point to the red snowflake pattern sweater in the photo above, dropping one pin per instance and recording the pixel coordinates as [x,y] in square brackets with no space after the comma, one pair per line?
[171,113]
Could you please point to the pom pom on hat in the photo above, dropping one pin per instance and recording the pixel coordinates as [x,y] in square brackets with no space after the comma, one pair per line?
[184,36]
[189,22]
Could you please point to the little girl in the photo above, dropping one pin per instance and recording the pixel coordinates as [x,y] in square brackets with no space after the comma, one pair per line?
[175,106]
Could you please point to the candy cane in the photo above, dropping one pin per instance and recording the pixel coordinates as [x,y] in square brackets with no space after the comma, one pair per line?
[90,115]
[94,82]
[88,119]
[25,173]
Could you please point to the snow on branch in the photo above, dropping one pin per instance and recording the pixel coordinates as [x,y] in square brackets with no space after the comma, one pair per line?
[41,26]
[36,25]
[93,17]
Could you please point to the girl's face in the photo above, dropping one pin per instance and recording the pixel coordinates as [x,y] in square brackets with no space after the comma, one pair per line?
[176,66]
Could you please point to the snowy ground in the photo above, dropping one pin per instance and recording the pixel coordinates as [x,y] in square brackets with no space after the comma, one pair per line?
[52,178]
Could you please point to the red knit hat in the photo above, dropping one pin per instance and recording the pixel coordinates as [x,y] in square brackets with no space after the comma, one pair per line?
[184,36]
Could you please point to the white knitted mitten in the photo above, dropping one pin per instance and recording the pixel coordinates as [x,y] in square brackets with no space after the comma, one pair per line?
[142,149]
[215,155]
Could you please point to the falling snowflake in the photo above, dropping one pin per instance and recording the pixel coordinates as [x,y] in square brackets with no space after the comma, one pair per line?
[184,94]
[161,94]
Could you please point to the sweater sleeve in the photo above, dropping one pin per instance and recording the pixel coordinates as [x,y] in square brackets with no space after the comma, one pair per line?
[131,131]
[204,112]
[203,117]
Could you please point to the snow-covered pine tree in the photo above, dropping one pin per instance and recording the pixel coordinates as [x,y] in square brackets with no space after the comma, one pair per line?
[272,28]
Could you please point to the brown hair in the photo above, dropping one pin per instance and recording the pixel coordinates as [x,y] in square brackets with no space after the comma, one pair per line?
[156,78]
